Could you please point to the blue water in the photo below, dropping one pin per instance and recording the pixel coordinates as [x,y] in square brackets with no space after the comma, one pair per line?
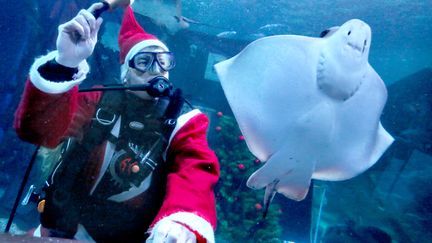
[392,195]
[401,33]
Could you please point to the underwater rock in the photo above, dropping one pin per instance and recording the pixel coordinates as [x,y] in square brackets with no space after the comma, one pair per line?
[408,113]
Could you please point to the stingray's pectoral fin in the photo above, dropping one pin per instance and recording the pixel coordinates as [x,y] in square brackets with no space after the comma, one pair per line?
[296,185]
[291,170]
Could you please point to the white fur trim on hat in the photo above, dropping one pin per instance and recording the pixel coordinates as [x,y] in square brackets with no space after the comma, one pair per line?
[137,48]
[55,87]
[143,44]
[195,222]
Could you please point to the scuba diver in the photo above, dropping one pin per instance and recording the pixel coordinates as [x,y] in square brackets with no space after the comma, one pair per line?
[135,163]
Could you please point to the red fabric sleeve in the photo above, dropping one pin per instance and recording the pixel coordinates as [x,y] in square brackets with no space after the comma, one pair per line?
[194,173]
[45,119]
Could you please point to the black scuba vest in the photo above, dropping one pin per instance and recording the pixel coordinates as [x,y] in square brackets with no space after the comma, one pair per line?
[110,212]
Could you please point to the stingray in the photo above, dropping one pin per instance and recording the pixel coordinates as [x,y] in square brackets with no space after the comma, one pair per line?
[162,13]
[308,107]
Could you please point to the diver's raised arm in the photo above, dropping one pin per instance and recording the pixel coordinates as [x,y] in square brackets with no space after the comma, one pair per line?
[77,38]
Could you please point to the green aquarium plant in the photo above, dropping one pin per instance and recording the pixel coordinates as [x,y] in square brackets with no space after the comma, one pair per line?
[240,209]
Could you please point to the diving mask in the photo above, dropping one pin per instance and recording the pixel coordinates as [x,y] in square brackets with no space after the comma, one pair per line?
[143,61]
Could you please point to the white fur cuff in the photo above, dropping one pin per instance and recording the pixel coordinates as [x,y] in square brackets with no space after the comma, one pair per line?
[181,121]
[55,87]
[195,222]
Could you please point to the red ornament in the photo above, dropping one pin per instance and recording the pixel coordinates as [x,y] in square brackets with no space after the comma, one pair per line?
[241,166]
[218,128]
[257,161]
[258,206]
[219,114]
[241,137]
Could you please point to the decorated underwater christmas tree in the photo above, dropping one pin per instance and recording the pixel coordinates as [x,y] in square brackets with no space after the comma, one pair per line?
[240,209]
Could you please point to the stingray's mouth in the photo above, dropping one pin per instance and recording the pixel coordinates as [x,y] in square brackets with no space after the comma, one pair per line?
[359,48]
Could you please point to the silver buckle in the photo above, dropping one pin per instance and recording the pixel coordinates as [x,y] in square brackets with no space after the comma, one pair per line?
[103,121]
[171,122]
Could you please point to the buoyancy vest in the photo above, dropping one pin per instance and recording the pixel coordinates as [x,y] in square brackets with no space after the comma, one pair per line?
[130,190]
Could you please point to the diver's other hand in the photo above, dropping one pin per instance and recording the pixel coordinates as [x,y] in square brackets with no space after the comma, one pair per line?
[170,232]
[77,38]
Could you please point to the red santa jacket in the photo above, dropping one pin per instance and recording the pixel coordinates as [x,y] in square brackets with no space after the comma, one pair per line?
[49,112]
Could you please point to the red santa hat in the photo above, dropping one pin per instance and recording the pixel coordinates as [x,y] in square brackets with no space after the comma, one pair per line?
[133,38]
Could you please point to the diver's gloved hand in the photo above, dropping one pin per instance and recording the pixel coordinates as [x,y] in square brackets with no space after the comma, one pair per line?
[77,38]
[171,231]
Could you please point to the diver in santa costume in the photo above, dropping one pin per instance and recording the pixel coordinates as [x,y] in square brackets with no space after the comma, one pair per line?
[135,163]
